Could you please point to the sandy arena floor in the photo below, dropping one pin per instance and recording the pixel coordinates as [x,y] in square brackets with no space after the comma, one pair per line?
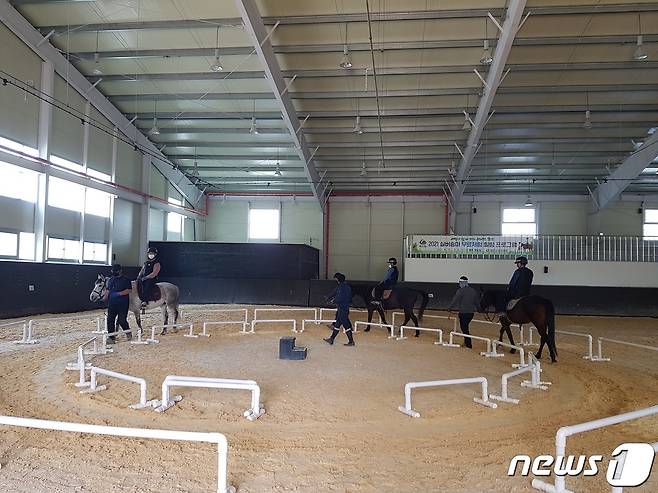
[332,423]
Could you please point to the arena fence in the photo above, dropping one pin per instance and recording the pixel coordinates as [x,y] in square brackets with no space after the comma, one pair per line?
[557,247]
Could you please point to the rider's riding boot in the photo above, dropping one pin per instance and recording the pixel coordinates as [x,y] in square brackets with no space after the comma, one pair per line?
[111,340]
[350,339]
[331,338]
[129,336]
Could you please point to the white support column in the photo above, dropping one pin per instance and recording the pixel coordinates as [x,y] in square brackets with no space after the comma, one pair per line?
[85,158]
[45,126]
[146,206]
[113,174]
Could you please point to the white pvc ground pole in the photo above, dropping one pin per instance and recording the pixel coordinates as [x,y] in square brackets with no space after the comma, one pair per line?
[599,356]
[409,411]
[589,354]
[274,321]
[94,387]
[402,337]
[29,328]
[26,339]
[388,327]
[184,436]
[439,317]
[316,322]
[494,354]
[254,412]
[244,322]
[566,431]
[287,310]
[322,311]
[451,342]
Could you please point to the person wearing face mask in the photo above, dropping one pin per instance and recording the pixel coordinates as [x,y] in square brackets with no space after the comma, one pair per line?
[383,289]
[148,276]
[342,297]
[466,301]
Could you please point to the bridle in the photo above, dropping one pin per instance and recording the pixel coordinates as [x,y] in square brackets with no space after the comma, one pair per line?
[100,289]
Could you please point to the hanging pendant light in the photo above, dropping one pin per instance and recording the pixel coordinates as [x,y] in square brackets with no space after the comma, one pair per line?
[154,129]
[97,70]
[467,121]
[639,54]
[253,129]
[486,58]
[528,202]
[278,166]
[346,61]
[217,66]
[357,126]
[587,124]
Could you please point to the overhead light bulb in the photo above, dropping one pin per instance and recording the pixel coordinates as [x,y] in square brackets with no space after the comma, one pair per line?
[467,121]
[278,170]
[364,172]
[640,54]
[357,126]
[253,129]
[528,202]
[154,129]
[486,59]
[588,120]
[346,61]
[217,66]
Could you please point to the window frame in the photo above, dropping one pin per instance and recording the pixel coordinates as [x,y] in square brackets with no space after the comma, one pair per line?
[69,260]
[278,224]
[535,208]
[645,223]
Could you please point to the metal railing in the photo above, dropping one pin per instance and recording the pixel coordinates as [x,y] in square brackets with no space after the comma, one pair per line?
[560,247]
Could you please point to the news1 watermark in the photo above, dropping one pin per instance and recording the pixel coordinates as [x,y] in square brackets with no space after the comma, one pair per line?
[630,465]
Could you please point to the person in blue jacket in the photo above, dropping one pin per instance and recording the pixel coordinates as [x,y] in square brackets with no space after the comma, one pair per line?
[519,285]
[117,297]
[389,282]
[342,297]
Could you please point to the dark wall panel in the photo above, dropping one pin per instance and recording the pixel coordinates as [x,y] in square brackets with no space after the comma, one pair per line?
[57,287]
[238,260]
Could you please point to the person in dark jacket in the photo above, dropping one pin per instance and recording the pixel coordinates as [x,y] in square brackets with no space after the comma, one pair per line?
[148,276]
[342,297]
[466,301]
[389,282]
[117,297]
[519,285]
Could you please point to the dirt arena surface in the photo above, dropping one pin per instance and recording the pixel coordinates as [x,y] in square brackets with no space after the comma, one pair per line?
[332,422]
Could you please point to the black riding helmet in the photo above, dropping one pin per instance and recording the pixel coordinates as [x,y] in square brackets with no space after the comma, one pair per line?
[340,277]
[152,250]
[116,269]
[521,260]
[393,261]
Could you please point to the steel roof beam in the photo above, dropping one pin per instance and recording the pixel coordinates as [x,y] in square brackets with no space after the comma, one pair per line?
[625,174]
[509,29]
[356,47]
[343,18]
[255,27]
[11,18]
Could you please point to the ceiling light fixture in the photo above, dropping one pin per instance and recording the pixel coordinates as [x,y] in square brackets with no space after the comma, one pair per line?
[154,129]
[467,121]
[528,202]
[253,130]
[278,166]
[96,70]
[346,61]
[486,58]
[587,124]
[357,126]
[217,66]
[639,53]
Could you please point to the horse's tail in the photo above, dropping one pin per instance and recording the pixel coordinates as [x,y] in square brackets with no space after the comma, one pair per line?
[550,324]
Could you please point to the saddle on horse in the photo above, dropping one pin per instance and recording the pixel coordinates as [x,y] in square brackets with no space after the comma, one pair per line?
[148,291]
[385,293]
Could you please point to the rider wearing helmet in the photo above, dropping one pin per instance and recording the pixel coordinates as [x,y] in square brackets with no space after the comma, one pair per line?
[117,297]
[148,276]
[519,285]
[342,297]
[390,280]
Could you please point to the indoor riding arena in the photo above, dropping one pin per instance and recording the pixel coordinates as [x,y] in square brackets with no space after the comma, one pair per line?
[365,246]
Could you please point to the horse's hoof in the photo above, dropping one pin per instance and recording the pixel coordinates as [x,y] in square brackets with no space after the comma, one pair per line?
[537,355]
[164,332]
[367,329]
[417,334]
[512,351]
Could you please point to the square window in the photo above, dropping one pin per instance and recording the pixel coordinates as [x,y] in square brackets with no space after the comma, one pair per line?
[519,222]
[66,195]
[98,203]
[18,183]
[26,244]
[264,224]
[60,249]
[8,244]
[94,252]
[174,223]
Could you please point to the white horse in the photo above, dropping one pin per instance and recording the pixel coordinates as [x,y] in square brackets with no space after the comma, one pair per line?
[168,302]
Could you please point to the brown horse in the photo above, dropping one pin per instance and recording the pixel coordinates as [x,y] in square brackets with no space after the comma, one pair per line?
[529,309]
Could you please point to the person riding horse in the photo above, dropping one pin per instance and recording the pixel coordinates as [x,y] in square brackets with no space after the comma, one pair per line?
[148,276]
[383,289]
[519,285]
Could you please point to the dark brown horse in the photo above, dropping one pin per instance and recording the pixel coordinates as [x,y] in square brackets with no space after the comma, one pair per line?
[400,297]
[529,309]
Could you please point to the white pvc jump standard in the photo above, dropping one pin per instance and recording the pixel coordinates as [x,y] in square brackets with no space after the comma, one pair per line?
[185,436]
[494,354]
[566,431]
[534,369]
[29,328]
[276,321]
[333,310]
[451,343]
[244,322]
[409,327]
[535,381]
[27,334]
[317,322]
[599,356]
[440,317]
[80,365]
[388,327]
[589,354]
[409,411]
[254,412]
[93,387]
